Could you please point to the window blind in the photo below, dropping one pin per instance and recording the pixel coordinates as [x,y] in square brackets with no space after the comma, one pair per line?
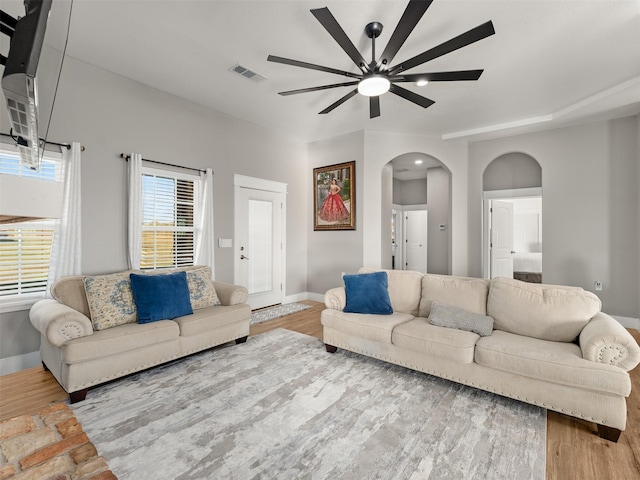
[25,248]
[25,252]
[50,166]
[168,211]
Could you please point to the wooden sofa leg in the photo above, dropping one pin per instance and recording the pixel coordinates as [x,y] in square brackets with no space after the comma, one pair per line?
[80,395]
[241,340]
[608,433]
[330,348]
[46,369]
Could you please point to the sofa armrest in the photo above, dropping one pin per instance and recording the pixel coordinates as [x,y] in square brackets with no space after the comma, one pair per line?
[58,322]
[604,340]
[336,298]
[231,294]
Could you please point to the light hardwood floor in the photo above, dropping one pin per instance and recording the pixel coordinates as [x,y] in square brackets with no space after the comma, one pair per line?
[574,449]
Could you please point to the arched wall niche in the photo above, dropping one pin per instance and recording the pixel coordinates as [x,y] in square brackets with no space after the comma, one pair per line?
[418,182]
[511,171]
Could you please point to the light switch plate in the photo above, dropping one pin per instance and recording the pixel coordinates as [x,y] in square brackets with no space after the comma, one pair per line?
[225,242]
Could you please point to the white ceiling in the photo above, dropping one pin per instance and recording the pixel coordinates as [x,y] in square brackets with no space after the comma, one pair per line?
[550,62]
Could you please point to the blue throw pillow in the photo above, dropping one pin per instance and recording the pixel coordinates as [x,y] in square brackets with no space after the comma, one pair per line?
[160,297]
[367,293]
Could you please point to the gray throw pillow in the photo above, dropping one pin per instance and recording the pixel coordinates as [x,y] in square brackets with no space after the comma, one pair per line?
[453,317]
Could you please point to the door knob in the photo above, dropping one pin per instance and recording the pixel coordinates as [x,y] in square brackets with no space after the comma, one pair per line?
[242,257]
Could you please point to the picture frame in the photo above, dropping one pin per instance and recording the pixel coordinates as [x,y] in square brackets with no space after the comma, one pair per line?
[334,197]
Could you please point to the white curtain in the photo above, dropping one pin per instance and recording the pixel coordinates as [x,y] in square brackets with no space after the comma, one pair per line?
[204,231]
[134,216]
[67,245]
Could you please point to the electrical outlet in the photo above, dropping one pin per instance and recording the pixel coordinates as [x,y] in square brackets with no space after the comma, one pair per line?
[597,285]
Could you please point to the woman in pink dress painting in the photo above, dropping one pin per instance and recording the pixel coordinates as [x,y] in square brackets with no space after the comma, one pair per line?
[333,208]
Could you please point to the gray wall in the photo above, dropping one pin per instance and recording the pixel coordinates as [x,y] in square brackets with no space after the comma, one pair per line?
[333,252]
[110,114]
[589,206]
[410,192]
[512,171]
[439,208]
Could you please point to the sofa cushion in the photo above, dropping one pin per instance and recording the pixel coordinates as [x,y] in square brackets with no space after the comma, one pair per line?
[210,318]
[367,293]
[112,341]
[70,291]
[110,300]
[446,343]
[404,289]
[201,290]
[557,362]
[461,292]
[160,297]
[372,327]
[548,312]
[454,317]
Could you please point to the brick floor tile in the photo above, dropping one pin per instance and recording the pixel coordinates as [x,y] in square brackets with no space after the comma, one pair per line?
[15,448]
[83,453]
[53,450]
[17,425]
[69,427]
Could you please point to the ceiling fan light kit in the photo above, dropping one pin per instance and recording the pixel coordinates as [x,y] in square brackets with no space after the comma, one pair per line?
[378,77]
[374,85]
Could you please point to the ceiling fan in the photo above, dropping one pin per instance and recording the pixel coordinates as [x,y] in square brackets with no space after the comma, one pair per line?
[379,77]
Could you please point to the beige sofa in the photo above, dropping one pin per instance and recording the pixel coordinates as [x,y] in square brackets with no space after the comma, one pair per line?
[550,345]
[79,356]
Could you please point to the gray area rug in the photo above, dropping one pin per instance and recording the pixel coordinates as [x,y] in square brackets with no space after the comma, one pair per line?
[276,312]
[280,407]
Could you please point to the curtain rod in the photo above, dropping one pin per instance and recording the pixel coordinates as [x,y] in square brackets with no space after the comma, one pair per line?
[127,157]
[65,145]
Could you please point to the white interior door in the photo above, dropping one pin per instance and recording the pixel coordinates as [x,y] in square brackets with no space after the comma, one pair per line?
[501,242]
[259,245]
[415,240]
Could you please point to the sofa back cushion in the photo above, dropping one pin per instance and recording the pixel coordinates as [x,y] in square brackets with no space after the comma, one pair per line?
[462,292]
[549,312]
[404,289]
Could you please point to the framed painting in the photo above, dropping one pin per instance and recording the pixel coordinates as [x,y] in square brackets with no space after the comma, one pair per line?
[334,197]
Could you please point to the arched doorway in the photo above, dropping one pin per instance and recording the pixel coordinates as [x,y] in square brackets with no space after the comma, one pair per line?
[512,218]
[418,205]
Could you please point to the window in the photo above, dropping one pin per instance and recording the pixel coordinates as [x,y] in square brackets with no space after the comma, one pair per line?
[168,213]
[25,247]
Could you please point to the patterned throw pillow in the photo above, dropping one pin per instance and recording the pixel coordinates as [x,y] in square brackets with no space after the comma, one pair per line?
[201,291]
[110,300]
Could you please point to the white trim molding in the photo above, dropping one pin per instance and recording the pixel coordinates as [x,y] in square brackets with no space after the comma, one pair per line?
[19,362]
[628,322]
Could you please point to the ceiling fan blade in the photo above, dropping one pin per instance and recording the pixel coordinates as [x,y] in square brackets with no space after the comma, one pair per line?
[312,66]
[455,76]
[410,18]
[412,97]
[475,34]
[339,102]
[374,107]
[332,26]
[315,89]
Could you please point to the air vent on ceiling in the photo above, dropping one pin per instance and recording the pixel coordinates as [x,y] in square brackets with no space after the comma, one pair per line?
[245,72]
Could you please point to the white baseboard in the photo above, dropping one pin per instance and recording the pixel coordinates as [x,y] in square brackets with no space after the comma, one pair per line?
[19,362]
[317,297]
[628,322]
